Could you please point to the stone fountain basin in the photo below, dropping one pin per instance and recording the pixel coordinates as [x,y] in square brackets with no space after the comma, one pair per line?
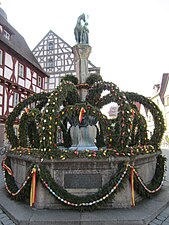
[84,176]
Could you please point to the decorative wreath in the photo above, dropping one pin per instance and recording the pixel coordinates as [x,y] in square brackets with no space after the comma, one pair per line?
[38,127]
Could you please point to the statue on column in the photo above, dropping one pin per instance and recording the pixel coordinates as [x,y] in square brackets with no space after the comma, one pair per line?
[81,31]
[85,34]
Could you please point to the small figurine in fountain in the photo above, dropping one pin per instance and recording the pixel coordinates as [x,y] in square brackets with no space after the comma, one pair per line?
[83,131]
[81,31]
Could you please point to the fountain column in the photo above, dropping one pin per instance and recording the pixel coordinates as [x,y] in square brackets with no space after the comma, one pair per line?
[81,55]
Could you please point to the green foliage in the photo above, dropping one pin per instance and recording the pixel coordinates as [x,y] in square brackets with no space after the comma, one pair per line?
[39,99]
[39,127]
[71,78]
[155,182]
[93,78]
[157,116]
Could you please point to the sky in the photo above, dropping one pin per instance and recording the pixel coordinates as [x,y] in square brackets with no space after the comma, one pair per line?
[129,38]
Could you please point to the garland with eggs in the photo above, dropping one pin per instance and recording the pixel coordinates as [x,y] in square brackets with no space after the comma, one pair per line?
[127,131]
[125,171]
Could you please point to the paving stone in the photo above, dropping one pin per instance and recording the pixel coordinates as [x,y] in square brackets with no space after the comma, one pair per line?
[5,220]
[165,223]
[162,218]
[156,221]
[166,211]
[2,215]
[152,223]
[164,214]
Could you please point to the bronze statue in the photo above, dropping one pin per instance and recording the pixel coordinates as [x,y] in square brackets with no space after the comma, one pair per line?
[85,34]
[81,32]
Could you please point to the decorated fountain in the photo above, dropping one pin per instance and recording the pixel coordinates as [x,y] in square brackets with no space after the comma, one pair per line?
[70,155]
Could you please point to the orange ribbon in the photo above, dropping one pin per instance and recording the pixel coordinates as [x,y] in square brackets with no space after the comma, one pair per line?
[4,166]
[33,188]
[82,111]
[132,187]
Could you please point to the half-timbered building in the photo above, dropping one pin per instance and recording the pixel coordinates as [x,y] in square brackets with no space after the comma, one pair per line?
[20,73]
[56,58]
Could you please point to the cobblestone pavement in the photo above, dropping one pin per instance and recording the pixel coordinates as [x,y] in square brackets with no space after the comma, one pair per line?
[163,218]
[4,219]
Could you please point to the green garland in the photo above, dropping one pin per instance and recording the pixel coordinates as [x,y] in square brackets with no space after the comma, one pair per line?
[88,202]
[82,203]
[93,78]
[39,99]
[118,135]
[63,154]
[157,116]
[156,181]
[28,128]
[13,188]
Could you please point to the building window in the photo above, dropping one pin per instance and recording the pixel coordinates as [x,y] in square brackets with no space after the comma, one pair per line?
[15,98]
[39,81]
[50,63]
[21,70]
[1,55]
[7,35]
[50,45]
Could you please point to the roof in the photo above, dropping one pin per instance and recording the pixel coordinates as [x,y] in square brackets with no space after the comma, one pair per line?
[61,47]
[164,84]
[3,13]
[18,43]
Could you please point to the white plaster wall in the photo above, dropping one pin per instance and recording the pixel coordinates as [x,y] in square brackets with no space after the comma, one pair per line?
[7,73]
[1,89]
[34,81]
[21,82]
[5,102]
[1,72]
[28,83]
[16,71]
[11,100]
[34,88]
[38,90]
[34,75]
